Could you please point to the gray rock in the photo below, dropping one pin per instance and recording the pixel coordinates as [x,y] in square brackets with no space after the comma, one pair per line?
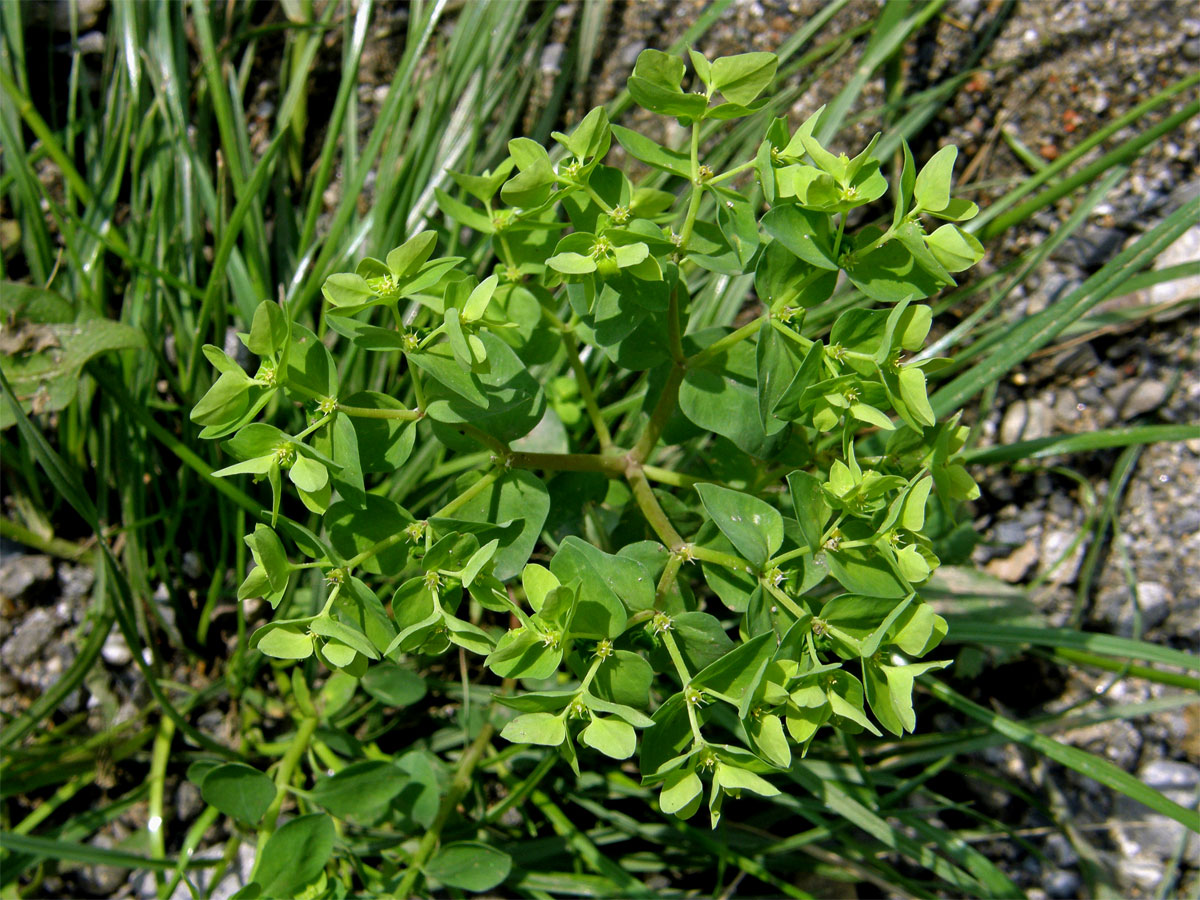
[188,802]
[21,571]
[1062,506]
[1056,545]
[1155,602]
[115,651]
[29,639]
[1178,780]
[75,583]
[102,880]
[1136,398]
[1011,533]
[1152,835]
[1062,883]
[1091,247]
[1144,875]
[1060,851]
[1026,420]
[1187,522]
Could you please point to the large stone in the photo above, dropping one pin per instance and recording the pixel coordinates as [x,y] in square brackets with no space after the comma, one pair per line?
[29,639]
[1026,420]
[1151,835]
[20,572]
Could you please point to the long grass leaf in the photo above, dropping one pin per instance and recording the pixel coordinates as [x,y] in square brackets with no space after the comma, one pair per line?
[1084,763]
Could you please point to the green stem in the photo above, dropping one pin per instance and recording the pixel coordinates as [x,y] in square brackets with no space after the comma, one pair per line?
[597,199]
[719,346]
[668,640]
[674,329]
[160,756]
[470,493]
[837,244]
[667,581]
[283,779]
[785,600]
[652,510]
[734,171]
[728,560]
[658,419]
[191,841]
[689,221]
[313,427]
[528,783]
[458,788]
[55,546]
[418,391]
[363,412]
[585,391]
[675,479]
[607,464]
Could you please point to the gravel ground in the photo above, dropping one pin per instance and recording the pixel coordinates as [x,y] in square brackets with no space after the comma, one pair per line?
[1056,72]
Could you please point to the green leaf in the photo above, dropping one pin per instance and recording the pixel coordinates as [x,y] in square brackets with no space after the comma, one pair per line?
[736,675]
[666,101]
[889,691]
[268,330]
[754,527]
[479,298]
[239,791]
[532,185]
[537,581]
[590,138]
[647,151]
[407,259]
[483,187]
[362,791]
[295,855]
[353,529]
[505,400]
[286,642]
[610,736]
[721,395]
[889,273]
[268,552]
[913,393]
[518,496]
[536,728]
[954,248]
[679,790]
[610,584]
[524,654]
[348,290]
[393,685]
[308,474]
[735,778]
[776,362]
[862,572]
[384,445]
[804,232]
[743,77]
[701,639]
[932,188]
[766,734]
[624,678]
[469,865]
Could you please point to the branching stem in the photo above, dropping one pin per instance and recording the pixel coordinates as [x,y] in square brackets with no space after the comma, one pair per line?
[458,789]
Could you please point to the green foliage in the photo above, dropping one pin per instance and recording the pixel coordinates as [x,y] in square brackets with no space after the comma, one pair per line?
[109,193]
[809,520]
